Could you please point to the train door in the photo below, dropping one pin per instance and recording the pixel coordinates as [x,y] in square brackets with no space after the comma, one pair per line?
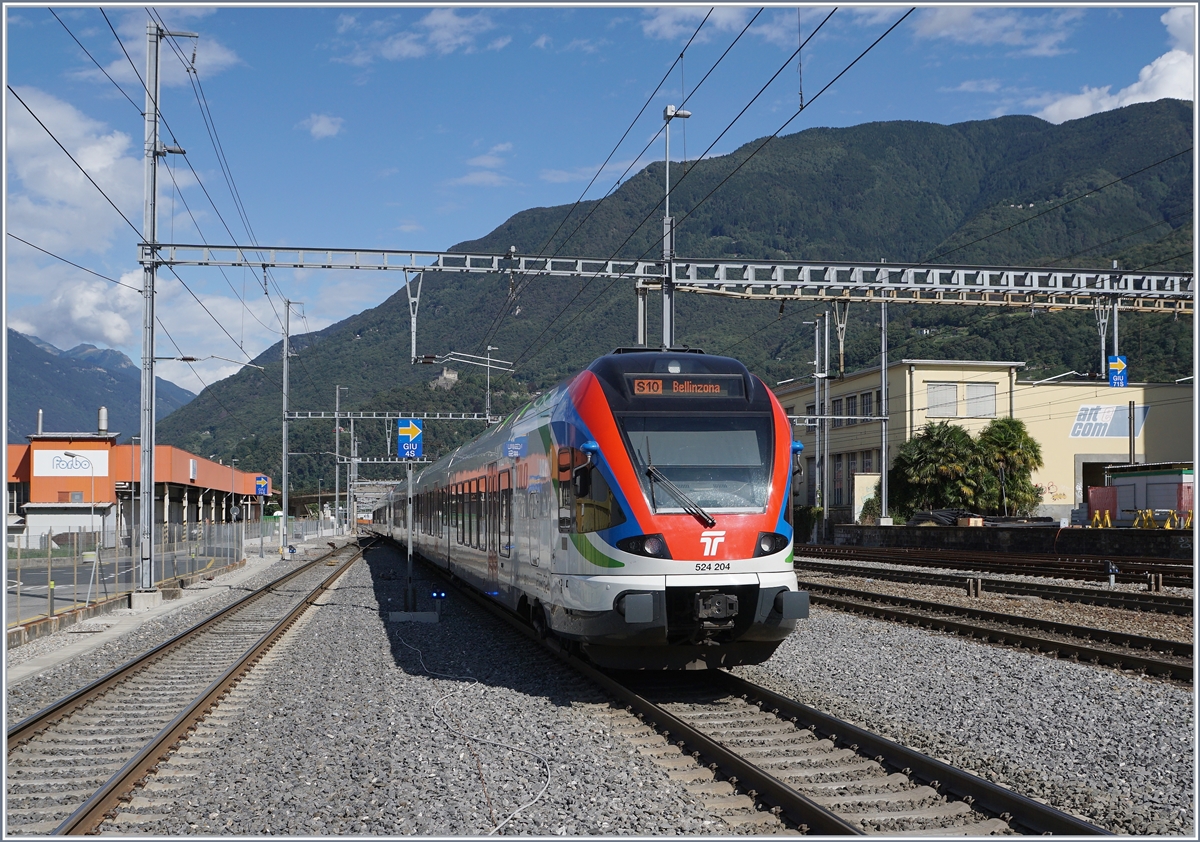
[533,537]
[490,533]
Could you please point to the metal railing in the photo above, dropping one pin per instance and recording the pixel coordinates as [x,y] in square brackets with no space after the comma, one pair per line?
[54,572]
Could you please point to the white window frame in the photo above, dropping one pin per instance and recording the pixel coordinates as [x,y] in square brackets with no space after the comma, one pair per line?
[939,409]
[981,404]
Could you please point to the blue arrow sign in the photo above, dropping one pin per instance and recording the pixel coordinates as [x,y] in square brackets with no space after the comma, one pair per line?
[260,486]
[410,440]
[1118,372]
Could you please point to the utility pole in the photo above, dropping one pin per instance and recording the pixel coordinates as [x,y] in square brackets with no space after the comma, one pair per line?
[283,531]
[825,442]
[668,286]
[337,463]
[153,149]
[882,410]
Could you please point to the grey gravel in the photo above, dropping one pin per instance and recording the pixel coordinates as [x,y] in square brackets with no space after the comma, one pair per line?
[354,732]
[38,691]
[1114,748]
[346,733]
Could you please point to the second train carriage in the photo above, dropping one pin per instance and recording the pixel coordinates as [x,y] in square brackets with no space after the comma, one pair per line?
[640,509]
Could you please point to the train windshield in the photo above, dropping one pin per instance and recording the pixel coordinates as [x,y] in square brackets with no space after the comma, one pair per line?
[721,462]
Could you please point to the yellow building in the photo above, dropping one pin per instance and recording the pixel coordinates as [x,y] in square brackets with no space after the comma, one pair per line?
[1082,426]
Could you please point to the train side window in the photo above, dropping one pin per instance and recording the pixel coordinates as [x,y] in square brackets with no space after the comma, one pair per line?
[597,508]
[505,521]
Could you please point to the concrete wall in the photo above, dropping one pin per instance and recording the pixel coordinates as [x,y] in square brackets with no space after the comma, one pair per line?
[1148,543]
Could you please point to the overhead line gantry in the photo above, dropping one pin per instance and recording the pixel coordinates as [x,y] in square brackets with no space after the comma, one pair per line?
[777,280]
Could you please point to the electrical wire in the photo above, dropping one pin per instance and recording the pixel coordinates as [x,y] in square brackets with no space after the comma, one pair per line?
[102,70]
[475,682]
[162,326]
[651,212]
[490,334]
[76,163]
[527,354]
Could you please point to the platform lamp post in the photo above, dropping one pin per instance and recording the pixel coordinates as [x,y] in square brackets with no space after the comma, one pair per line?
[668,288]
[91,524]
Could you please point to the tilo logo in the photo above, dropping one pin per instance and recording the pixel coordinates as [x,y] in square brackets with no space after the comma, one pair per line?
[711,541]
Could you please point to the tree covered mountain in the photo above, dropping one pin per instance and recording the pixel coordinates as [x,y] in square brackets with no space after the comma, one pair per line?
[70,386]
[1012,191]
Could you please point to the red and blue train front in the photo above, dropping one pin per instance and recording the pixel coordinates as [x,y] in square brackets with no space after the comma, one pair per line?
[673,477]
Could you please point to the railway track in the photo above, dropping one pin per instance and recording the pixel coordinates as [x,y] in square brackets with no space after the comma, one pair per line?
[1132,570]
[825,775]
[1167,658]
[777,765]
[72,763]
[1141,601]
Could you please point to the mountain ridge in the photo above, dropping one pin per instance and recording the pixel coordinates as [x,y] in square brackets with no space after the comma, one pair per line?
[900,191]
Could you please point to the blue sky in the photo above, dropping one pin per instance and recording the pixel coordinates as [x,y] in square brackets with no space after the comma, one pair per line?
[420,127]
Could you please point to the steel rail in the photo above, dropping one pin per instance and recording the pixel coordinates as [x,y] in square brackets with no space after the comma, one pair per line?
[38,721]
[877,605]
[1032,815]
[1154,603]
[1086,568]
[1006,804]
[92,813]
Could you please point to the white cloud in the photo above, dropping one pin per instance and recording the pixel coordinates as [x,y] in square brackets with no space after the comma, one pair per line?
[1026,33]
[1171,75]
[486,161]
[975,86]
[410,227]
[441,31]
[673,22]
[492,159]
[75,310]
[1181,28]
[542,42]
[482,178]
[401,45]
[50,202]
[322,126]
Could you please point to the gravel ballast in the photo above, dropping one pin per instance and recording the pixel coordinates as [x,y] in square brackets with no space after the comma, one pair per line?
[355,731]
[1114,748]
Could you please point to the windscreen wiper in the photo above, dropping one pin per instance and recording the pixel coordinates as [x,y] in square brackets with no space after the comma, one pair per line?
[689,505]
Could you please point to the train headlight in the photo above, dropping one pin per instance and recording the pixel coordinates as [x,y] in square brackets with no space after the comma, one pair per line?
[654,546]
[770,542]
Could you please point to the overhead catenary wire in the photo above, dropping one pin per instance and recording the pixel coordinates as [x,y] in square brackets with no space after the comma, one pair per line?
[638,227]
[98,65]
[525,354]
[491,332]
[118,210]
[139,291]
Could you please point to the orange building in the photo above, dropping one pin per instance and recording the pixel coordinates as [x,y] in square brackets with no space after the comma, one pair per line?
[63,482]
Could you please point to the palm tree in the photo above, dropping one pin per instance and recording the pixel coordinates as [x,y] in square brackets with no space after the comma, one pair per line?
[1008,450]
[938,469]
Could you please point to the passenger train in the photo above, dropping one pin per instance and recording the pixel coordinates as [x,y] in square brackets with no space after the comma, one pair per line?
[639,511]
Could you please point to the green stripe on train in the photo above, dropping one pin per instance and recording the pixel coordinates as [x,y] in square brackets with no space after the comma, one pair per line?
[591,553]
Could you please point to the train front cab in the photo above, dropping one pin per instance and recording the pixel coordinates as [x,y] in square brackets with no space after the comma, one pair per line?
[677,592]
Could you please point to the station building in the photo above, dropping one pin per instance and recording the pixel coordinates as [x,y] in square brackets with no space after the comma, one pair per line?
[71,482]
[1082,426]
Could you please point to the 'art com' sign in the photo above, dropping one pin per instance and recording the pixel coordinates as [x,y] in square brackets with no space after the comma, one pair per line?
[1099,421]
[56,463]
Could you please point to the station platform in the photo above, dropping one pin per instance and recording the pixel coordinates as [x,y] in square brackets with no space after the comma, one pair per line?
[72,643]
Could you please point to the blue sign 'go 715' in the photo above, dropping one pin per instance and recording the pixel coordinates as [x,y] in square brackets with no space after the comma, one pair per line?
[1118,372]
[410,439]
